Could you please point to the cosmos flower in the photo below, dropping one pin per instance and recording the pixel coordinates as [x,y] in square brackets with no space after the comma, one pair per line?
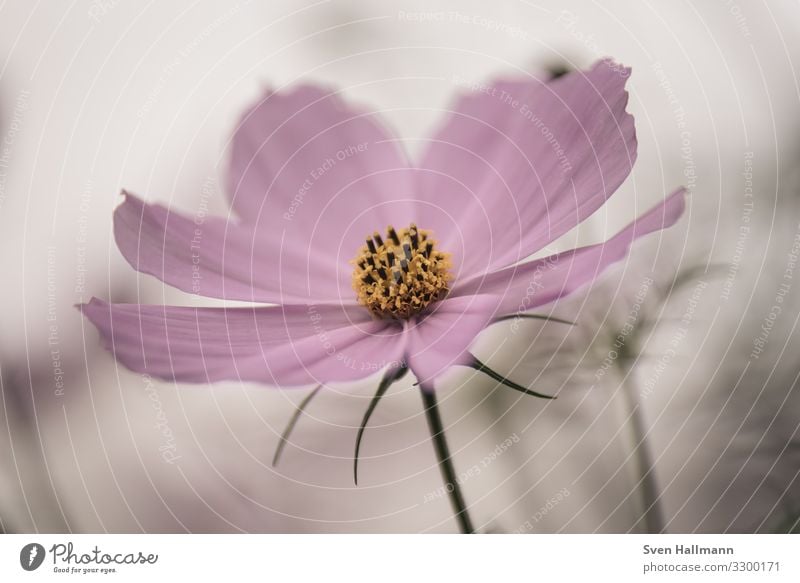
[373,262]
[376,264]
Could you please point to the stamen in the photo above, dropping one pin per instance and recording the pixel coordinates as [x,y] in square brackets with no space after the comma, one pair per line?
[401,275]
[414,236]
[393,235]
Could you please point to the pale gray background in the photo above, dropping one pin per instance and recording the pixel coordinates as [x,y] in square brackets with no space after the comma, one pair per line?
[97,96]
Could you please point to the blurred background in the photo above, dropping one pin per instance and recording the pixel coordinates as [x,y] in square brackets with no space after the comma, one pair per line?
[678,405]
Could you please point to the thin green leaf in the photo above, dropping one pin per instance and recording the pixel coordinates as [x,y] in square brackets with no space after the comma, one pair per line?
[481,367]
[391,376]
[536,317]
[292,422]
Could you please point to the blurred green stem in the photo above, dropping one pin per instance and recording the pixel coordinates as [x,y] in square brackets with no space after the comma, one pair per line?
[647,488]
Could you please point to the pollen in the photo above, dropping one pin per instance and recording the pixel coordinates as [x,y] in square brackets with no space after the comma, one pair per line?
[399,275]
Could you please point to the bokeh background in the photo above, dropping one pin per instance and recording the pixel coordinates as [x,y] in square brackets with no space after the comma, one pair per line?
[687,428]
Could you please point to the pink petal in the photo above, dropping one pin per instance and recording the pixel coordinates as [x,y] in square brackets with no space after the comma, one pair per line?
[324,175]
[295,345]
[524,287]
[442,339]
[221,259]
[523,162]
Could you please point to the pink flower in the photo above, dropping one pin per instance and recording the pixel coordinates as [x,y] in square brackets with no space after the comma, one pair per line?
[316,184]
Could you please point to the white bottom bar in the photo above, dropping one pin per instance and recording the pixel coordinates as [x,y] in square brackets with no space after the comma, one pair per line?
[370,558]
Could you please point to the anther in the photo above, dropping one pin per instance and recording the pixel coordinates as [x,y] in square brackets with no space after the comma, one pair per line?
[378,240]
[371,246]
[414,236]
[393,235]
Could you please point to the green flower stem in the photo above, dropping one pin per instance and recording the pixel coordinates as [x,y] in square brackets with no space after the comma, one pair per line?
[445,461]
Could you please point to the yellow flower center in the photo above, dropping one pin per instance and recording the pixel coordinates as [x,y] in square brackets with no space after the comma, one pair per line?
[401,276]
